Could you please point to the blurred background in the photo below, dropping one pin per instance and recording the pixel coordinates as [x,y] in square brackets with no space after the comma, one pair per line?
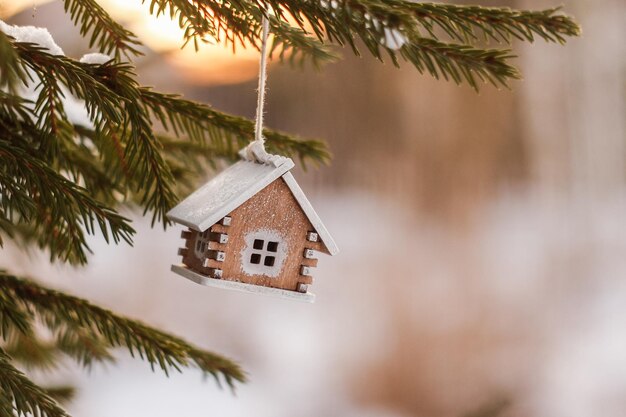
[483,239]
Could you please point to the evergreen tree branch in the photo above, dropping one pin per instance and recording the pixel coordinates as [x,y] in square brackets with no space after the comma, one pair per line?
[31,352]
[146,164]
[14,319]
[29,399]
[15,111]
[85,166]
[225,132]
[61,393]
[58,205]
[460,62]
[239,22]
[158,348]
[345,21]
[111,93]
[85,81]
[106,33]
[502,24]
[6,406]
[141,161]
[82,346]
[296,46]
[11,67]
[50,116]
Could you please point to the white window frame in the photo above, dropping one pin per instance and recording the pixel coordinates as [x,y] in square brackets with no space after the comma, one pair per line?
[263,253]
[201,245]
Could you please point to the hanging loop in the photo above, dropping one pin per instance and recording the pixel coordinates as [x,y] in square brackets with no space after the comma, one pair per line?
[258,129]
[255,151]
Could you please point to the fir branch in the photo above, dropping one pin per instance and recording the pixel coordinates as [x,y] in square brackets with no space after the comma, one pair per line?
[296,46]
[460,62]
[371,21]
[11,67]
[111,92]
[239,22]
[158,348]
[29,399]
[50,116]
[145,162]
[6,406]
[74,342]
[502,24]
[84,166]
[58,205]
[82,346]
[197,23]
[15,110]
[223,131]
[31,352]
[142,162]
[106,33]
[61,393]
[85,81]
[14,319]
[345,21]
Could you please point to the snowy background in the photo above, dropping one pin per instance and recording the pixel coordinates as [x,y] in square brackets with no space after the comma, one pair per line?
[483,238]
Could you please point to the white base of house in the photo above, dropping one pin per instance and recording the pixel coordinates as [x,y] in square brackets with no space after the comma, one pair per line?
[240,286]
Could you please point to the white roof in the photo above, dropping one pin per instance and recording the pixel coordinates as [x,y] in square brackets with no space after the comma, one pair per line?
[233,187]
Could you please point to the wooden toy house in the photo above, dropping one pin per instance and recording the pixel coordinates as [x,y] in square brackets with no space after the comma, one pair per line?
[251,228]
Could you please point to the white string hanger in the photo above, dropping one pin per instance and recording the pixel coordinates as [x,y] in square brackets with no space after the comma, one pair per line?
[255,151]
[258,128]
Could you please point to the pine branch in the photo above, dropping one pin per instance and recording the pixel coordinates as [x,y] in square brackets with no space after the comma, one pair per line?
[82,346]
[237,23]
[146,164]
[15,110]
[74,342]
[14,319]
[59,206]
[61,393]
[296,46]
[107,34]
[158,348]
[465,23]
[371,21]
[110,93]
[145,168]
[50,115]
[226,133]
[85,81]
[6,406]
[460,62]
[31,352]
[86,167]
[27,396]
[368,19]
[11,67]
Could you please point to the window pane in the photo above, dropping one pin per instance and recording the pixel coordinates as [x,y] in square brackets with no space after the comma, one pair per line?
[272,246]
[269,261]
[255,258]
[258,244]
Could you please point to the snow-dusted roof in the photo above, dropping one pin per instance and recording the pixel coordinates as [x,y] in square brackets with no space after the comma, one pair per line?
[310,213]
[233,187]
